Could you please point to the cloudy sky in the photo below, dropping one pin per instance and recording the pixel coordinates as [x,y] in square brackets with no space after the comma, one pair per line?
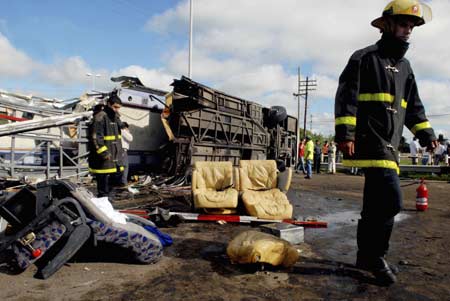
[247,48]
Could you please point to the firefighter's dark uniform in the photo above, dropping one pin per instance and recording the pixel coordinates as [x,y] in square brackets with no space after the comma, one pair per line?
[377,95]
[105,148]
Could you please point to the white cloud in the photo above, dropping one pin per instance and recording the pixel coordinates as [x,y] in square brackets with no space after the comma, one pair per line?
[154,78]
[434,95]
[429,51]
[276,32]
[71,71]
[244,48]
[13,62]
[66,72]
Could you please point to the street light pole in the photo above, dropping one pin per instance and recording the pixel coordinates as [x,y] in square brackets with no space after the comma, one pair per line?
[93,79]
[191,23]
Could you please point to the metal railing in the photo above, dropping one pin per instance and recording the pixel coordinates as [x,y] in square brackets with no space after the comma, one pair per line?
[55,155]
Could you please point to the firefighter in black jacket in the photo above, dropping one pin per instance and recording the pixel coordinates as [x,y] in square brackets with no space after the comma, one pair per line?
[377,95]
[105,145]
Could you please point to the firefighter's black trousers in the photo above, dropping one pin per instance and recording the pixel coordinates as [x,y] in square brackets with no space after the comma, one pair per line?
[103,185]
[381,202]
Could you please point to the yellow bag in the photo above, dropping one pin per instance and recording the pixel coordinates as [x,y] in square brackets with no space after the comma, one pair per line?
[253,247]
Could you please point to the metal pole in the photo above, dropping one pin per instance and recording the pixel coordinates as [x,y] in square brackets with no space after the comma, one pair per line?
[48,161]
[12,159]
[79,137]
[298,118]
[61,152]
[306,107]
[191,23]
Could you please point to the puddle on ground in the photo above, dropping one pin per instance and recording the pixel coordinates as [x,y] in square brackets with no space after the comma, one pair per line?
[338,240]
[348,218]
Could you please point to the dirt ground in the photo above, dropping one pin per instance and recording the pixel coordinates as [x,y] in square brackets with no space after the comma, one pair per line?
[197,268]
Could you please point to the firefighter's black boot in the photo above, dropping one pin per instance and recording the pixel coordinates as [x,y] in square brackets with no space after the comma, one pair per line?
[372,245]
[383,273]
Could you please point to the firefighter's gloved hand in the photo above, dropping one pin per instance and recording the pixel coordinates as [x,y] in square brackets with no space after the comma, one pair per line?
[106,156]
[433,145]
[347,147]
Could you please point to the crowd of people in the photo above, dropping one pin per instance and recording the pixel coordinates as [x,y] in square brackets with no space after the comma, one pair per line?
[312,155]
[328,153]
[439,155]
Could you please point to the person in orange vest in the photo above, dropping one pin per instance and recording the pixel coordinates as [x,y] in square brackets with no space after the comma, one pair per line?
[324,155]
[301,157]
[376,96]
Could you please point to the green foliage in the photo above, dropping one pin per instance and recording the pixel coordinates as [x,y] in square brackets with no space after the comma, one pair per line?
[317,136]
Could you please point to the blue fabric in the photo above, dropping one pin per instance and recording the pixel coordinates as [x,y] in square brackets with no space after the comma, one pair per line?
[146,250]
[165,239]
[301,165]
[308,168]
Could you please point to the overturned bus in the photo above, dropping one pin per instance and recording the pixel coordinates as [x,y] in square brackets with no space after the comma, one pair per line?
[204,124]
[172,130]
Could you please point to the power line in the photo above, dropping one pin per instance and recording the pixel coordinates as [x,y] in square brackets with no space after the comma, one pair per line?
[304,86]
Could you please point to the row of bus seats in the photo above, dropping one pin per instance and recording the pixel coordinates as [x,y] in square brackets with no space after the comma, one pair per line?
[217,188]
[49,226]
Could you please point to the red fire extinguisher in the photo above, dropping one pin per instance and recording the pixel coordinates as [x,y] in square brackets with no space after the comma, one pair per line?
[422,197]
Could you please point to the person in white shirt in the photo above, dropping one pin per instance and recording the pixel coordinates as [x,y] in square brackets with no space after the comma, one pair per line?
[127,138]
[447,154]
[332,158]
[439,153]
[414,148]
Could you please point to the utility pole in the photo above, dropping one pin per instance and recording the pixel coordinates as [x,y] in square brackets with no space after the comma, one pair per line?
[306,86]
[310,123]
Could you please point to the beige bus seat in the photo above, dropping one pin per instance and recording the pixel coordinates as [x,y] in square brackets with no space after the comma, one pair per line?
[260,192]
[212,185]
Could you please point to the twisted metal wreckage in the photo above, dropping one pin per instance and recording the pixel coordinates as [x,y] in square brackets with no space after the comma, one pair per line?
[173,130]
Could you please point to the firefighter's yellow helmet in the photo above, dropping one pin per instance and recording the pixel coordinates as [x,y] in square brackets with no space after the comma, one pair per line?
[419,12]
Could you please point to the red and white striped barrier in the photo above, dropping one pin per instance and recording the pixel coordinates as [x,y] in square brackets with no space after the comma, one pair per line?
[229,218]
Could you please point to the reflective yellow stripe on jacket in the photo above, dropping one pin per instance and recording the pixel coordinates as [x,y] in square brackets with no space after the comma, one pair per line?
[404,104]
[421,126]
[371,163]
[347,120]
[383,97]
[109,138]
[107,170]
[102,149]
